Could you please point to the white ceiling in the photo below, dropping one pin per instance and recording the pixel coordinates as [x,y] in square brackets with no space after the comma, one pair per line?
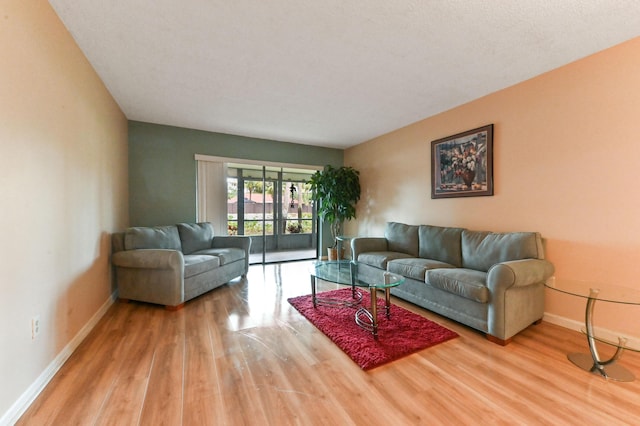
[328,72]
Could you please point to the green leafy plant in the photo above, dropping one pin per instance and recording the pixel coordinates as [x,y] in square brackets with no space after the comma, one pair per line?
[294,228]
[336,192]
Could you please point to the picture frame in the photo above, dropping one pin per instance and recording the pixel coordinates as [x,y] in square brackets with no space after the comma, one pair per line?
[462,164]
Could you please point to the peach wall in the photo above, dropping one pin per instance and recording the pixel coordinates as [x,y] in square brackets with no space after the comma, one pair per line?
[63,189]
[566,159]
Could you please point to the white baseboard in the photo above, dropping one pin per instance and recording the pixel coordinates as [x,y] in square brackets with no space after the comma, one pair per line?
[26,399]
[563,322]
[605,333]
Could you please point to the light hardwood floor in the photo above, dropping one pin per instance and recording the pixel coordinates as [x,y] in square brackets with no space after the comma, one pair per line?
[241,355]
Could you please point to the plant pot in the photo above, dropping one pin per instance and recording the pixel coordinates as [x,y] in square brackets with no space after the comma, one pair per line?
[332,253]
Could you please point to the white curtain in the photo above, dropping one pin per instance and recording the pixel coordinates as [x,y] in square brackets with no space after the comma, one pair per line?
[212,195]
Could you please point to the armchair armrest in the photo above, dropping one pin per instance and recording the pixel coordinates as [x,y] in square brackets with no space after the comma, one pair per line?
[367,244]
[518,273]
[149,259]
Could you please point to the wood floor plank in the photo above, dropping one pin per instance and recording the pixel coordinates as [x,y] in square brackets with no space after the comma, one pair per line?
[125,401]
[240,402]
[241,355]
[164,401]
[201,387]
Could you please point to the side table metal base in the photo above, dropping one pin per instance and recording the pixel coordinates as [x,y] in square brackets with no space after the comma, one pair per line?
[610,371]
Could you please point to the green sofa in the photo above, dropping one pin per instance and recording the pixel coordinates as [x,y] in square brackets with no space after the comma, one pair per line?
[493,282]
[169,265]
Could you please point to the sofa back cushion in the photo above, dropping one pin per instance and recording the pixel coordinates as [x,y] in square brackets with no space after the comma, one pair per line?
[402,238]
[481,250]
[157,237]
[195,236]
[440,243]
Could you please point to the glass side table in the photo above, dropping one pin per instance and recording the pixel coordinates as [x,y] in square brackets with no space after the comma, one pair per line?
[613,294]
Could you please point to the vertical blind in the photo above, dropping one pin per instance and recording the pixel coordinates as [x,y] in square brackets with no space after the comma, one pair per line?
[212,195]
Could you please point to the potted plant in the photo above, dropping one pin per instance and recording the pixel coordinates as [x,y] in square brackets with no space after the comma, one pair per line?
[336,192]
[294,228]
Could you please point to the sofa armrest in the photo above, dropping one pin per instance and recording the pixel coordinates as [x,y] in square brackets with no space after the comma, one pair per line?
[150,275]
[149,259]
[234,241]
[517,296]
[367,244]
[518,273]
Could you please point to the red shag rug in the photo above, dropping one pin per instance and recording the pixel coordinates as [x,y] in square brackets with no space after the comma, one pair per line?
[401,335]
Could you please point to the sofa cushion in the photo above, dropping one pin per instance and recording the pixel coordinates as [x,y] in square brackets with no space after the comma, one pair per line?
[482,250]
[157,237]
[197,264]
[467,283]
[414,267]
[379,259]
[440,243]
[226,255]
[195,236]
[402,238]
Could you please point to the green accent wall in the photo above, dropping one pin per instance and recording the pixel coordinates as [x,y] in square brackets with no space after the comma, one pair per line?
[162,166]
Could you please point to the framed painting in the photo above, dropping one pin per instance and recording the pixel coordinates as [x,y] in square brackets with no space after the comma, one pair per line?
[462,164]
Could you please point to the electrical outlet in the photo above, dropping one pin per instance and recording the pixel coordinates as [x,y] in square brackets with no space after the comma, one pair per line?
[35,326]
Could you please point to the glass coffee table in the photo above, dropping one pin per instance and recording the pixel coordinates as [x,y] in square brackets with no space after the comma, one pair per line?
[345,272]
[612,294]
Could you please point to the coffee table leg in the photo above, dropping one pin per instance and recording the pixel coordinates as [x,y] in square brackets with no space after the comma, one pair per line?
[387,301]
[374,311]
[352,270]
[387,293]
[313,291]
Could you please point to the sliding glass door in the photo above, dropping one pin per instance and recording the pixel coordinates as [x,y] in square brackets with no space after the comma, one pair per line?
[273,206]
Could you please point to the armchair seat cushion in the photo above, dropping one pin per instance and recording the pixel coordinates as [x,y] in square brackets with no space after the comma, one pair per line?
[197,264]
[379,259]
[226,255]
[415,267]
[468,283]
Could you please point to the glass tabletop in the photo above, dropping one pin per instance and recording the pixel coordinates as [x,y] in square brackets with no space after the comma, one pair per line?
[599,291]
[345,272]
